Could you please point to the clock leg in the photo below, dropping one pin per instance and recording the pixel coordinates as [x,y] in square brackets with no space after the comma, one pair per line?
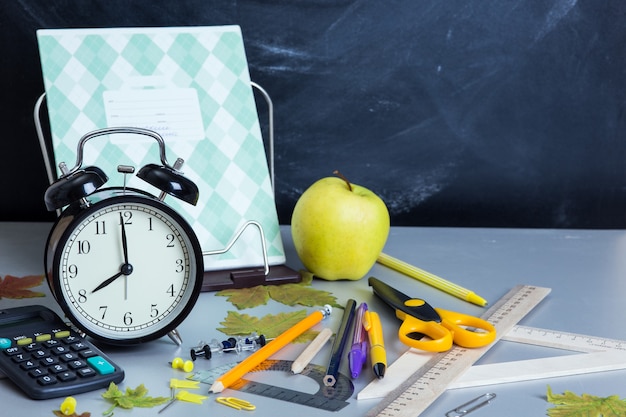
[175,336]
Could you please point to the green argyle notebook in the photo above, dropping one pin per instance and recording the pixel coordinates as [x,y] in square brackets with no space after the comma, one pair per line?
[191,85]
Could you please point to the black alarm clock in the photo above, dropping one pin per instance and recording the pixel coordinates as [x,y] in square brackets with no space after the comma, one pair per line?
[124,266]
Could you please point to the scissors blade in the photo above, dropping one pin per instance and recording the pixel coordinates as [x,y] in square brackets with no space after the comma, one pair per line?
[400,301]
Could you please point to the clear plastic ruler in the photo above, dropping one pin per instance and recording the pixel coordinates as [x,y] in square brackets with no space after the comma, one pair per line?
[422,386]
[599,354]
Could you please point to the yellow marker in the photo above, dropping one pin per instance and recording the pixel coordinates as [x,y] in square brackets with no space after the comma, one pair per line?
[431,279]
[268,350]
[378,355]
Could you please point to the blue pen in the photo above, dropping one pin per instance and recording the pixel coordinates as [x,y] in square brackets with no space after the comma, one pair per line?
[358,354]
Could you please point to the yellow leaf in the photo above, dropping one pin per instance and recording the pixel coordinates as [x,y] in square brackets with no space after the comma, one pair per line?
[572,405]
[246,297]
[270,325]
[137,397]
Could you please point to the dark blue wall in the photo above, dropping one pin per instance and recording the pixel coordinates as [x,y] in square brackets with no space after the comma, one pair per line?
[457,113]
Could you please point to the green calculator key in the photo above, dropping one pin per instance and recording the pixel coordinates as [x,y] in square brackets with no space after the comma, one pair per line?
[101,365]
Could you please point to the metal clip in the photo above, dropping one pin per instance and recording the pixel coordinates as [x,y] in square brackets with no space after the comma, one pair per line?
[236,403]
[472,405]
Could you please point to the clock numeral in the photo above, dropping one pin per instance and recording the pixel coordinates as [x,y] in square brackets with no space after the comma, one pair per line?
[180,267]
[170,240]
[170,290]
[103,309]
[126,217]
[83,247]
[101,227]
[82,296]
[128,319]
[72,271]
[154,311]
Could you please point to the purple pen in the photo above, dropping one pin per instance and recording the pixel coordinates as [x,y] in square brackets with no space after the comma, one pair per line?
[358,353]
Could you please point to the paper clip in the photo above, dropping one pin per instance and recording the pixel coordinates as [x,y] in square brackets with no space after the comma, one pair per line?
[472,405]
[236,403]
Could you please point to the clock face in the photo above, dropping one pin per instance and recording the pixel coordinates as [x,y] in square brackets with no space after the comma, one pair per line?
[127,269]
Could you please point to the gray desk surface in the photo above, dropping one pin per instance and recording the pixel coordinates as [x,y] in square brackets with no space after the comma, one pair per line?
[585,269]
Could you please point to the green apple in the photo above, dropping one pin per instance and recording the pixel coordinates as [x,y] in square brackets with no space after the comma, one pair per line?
[339,229]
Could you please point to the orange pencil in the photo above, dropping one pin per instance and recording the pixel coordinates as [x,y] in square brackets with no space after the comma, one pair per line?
[269,349]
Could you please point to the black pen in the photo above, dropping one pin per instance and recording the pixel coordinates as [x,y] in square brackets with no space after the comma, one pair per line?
[340,343]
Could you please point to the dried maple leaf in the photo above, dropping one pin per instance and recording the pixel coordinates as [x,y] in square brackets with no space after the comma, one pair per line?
[130,398]
[293,294]
[246,297]
[572,405]
[270,325]
[289,294]
[16,287]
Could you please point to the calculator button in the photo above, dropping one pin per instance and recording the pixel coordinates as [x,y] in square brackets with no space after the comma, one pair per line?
[40,354]
[19,357]
[66,376]
[47,380]
[43,337]
[5,343]
[101,365]
[62,334]
[57,368]
[24,341]
[86,372]
[58,350]
[87,353]
[31,346]
[51,343]
[49,361]
[28,365]
[66,357]
[12,350]
[37,372]
[77,364]
[69,339]
[78,346]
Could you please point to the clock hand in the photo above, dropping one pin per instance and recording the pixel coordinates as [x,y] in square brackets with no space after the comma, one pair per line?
[107,282]
[126,268]
[124,241]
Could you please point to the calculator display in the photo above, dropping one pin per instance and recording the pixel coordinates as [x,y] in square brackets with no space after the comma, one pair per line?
[13,322]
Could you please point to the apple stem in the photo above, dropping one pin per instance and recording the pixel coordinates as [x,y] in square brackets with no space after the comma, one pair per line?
[340,175]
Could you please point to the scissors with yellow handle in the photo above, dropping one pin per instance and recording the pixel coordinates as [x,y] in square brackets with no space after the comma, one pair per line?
[442,327]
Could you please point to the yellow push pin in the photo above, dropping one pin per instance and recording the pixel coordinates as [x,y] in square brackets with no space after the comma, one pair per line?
[185,396]
[68,406]
[179,363]
[184,383]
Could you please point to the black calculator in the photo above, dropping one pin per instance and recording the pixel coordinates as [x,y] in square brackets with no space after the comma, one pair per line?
[47,359]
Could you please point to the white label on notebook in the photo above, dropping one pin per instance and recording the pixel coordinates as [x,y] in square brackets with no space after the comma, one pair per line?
[174,113]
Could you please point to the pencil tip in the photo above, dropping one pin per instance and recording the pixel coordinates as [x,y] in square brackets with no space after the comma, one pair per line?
[217,387]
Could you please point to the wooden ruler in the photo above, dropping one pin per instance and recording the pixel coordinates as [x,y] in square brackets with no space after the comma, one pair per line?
[423,386]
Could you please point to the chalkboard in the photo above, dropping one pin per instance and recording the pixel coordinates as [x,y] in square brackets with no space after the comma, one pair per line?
[457,113]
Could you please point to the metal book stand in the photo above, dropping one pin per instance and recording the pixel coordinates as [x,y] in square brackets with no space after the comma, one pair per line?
[213,280]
